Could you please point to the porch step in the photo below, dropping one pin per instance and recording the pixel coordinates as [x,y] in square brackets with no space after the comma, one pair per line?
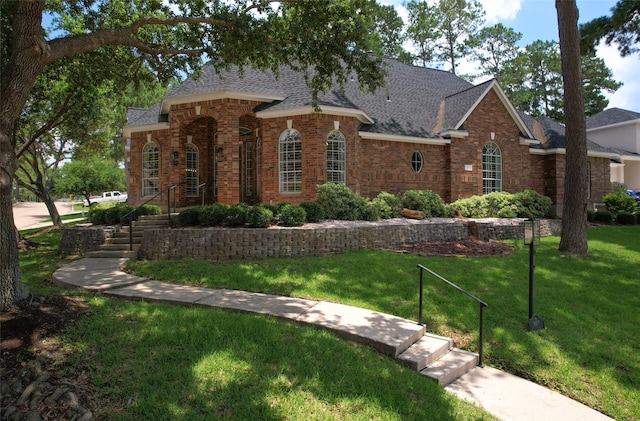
[119,246]
[434,357]
[131,255]
[451,366]
[425,351]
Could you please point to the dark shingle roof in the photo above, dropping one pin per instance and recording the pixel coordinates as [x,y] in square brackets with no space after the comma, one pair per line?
[554,136]
[610,117]
[458,104]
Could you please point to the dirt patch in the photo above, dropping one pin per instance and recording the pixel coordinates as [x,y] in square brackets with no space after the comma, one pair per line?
[468,248]
[34,382]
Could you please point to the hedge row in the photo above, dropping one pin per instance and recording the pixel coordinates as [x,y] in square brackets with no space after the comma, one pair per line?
[337,201]
[112,213]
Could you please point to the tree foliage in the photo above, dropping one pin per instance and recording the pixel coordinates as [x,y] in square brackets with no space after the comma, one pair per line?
[91,177]
[495,48]
[621,28]
[327,39]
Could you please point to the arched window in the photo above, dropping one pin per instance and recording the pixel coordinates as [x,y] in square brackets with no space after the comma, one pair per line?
[336,157]
[150,169]
[491,168]
[417,161]
[290,161]
[192,178]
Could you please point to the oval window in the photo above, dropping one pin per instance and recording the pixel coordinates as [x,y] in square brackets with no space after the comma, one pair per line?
[416,161]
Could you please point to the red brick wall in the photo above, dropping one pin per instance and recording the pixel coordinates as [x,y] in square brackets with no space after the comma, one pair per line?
[372,165]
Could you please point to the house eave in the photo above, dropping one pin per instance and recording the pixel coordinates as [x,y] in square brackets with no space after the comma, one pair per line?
[525,141]
[405,139]
[562,151]
[308,109]
[127,130]
[458,134]
[167,102]
[612,126]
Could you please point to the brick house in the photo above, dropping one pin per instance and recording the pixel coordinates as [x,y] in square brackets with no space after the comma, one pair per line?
[253,138]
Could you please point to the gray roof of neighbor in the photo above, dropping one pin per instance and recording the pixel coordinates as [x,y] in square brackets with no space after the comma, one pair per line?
[553,135]
[611,116]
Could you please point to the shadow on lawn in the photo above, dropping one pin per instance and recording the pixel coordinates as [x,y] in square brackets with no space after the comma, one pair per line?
[192,363]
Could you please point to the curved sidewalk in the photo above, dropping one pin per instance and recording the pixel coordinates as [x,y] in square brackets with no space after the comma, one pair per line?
[505,396]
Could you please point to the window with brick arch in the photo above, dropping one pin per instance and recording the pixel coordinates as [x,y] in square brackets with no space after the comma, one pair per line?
[491,168]
[150,169]
[192,176]
[290,161]
[336,157]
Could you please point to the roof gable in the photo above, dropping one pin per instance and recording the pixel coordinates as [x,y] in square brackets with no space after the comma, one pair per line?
[459,106]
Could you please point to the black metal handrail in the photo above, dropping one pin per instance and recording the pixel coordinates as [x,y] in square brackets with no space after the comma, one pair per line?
[480,302]
[130,214]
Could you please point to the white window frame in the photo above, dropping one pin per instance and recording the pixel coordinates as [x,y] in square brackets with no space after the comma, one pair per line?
[290,161]
[491,168]
[336,157]
[417,161]
[192,178]
[150,169]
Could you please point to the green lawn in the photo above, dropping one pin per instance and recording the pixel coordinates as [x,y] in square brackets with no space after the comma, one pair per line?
[589,350]
[154,361]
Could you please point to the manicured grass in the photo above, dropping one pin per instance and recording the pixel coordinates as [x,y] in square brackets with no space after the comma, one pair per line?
[69,216]
[588,351]
[154,361]
[167,362]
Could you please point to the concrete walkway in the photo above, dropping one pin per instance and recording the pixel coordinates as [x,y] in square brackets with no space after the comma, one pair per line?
[505,396]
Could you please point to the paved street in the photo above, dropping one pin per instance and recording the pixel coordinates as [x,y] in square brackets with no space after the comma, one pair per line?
[28,214]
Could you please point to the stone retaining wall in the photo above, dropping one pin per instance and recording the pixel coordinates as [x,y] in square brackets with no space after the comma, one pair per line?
[82,238]
[330,237]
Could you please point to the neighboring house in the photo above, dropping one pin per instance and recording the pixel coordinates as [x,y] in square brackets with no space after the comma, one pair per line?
[619,130]
[255,139]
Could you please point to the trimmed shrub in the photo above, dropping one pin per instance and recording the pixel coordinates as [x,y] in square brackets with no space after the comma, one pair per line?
[426,201]
[340,202]
[626,218]
[214,215]
[618,202]
[471,207]
[314,211]
[108,213]
[191,216]
[603,216]
[149,210]
[274,207]
[531,204]
[387,205]
[259,216]
[292,215]
[591,215]
[237,215]
[500,205]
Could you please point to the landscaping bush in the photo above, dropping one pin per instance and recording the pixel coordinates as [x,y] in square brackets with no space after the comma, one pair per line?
[340,202]
[213,215]
[191,216]
[603,216]
[591,215]
[108,213]
[619,201]
[259,216]
[626,218]
[387,205]
[292,215]
[314,211]
[237,215]
[426,201]
[531,204]
[500,205]
[275,208]
[149,210]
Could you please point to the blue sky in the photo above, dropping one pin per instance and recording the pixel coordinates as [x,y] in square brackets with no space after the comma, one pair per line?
[537,20]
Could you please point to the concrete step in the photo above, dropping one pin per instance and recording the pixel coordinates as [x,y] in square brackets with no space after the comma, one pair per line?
[143,227]
[121,246]
[425,351]
[132,255]
[124,239]
[451,366]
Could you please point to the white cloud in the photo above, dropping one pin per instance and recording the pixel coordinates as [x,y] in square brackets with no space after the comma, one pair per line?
[500,10]
[625,69]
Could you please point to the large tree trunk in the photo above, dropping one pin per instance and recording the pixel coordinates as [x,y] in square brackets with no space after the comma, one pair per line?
[573,236]
[12,290]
